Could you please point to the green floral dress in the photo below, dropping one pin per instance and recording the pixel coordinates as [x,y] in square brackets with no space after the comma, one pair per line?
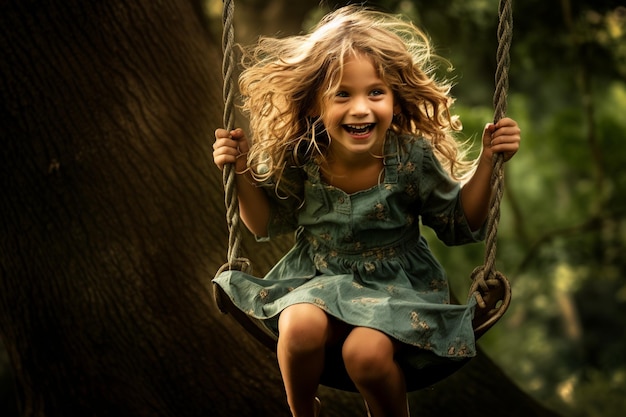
[361,258]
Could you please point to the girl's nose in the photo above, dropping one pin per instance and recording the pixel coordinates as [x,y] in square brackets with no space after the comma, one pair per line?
[360,107]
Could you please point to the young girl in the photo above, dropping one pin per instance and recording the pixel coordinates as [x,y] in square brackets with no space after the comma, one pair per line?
[352,144]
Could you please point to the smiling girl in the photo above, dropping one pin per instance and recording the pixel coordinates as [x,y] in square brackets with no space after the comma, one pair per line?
[351,146]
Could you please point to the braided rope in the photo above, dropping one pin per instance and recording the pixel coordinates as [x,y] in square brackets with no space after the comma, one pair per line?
[505,34]
[489,284]
[232,204]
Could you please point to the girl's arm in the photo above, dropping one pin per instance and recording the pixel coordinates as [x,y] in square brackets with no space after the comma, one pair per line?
[503,137]
[254,209]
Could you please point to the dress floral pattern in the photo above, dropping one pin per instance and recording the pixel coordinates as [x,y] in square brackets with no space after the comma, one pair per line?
[361,257]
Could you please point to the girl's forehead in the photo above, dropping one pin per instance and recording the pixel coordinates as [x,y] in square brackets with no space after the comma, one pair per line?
[358,60]
[355,72]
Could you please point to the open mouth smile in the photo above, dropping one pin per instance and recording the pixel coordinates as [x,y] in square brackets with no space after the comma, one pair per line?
[359,130]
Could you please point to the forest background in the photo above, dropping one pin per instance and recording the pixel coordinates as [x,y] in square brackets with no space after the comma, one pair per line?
[562,234]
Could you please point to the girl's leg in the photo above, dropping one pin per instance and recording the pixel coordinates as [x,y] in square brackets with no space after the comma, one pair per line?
[304,331]
[369,358]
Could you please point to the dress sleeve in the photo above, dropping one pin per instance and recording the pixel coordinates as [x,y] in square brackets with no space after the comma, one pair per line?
[285,201]
[440,204]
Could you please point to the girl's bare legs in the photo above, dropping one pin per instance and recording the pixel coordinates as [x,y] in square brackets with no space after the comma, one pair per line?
[369,358]
[304,332]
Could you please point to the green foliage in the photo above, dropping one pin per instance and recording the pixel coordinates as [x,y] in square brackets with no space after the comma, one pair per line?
[562,234]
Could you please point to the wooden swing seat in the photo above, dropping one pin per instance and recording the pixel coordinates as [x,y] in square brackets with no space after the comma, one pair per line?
[421,368]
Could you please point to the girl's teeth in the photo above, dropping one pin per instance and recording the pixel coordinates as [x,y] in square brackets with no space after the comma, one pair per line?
[359,129]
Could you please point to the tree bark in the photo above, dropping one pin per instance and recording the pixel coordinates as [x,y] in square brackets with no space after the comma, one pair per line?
[112,225]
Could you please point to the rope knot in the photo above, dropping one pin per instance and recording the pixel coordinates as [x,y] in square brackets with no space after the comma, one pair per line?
[493,296]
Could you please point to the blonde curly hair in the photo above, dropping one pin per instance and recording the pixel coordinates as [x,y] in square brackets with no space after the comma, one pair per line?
[286,81]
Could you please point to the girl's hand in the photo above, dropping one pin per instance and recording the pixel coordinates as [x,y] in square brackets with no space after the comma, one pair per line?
[503,137]
[230,148]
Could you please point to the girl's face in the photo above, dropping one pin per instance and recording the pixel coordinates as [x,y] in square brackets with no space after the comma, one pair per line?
[359,114]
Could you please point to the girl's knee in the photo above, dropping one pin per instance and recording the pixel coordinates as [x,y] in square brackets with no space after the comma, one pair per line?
[303,328]
[368,355]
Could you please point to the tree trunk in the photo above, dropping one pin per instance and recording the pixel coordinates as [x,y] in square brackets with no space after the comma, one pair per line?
[112,226]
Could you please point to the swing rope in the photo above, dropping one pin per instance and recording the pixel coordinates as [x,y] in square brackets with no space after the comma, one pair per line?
[490,288]
[235,261]
[486,278]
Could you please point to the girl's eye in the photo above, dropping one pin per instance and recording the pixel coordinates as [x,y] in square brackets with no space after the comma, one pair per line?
[341,94]
[377,92]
